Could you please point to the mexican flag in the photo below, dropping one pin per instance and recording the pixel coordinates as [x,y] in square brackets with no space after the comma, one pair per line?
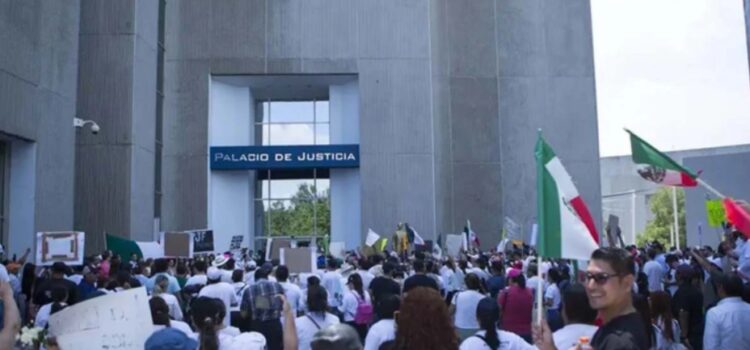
[738,214]
[471,236]
[125,247]
[658,167]
[566,228]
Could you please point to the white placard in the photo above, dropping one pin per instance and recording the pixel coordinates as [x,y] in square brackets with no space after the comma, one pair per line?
[52,247]
[114,321]
[372,237]
[454,244]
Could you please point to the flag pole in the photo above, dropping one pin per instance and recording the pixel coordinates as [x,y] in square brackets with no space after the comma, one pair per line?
[676,236]
[539,302]
[710,188]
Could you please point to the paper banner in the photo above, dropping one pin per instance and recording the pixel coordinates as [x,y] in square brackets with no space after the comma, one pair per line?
[454,244]
[177,244]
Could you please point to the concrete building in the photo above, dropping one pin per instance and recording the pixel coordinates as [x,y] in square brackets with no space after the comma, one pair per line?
[443,99]
[627,195]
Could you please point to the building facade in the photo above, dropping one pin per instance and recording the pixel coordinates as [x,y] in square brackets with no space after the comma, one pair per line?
[443,99]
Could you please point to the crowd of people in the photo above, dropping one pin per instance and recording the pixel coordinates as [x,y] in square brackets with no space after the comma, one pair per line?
[623,298]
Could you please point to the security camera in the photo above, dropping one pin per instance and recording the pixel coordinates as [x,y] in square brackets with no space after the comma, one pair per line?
[80,123]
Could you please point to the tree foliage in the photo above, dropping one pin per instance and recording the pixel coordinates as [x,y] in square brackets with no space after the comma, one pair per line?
[305,214]
[658,228]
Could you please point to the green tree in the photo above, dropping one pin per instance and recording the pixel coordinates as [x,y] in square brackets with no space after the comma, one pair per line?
[304,212]
[658,228]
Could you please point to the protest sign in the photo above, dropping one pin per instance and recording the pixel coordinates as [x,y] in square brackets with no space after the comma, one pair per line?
[203,241]
[372,237]
[454,244]
[67,247]
[177,244]
[236,243]
[114,321]
[715,213]
[298,260]
[275,248]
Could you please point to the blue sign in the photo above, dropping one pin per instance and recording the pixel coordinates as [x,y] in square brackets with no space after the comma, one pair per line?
[284,157]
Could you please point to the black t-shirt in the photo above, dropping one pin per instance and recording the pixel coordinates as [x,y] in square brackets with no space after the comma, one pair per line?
[625,332]
[43,294]
[690,299]
[420,280]
[381,286]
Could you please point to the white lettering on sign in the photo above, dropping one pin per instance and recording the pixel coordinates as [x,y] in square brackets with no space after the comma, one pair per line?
[325,156]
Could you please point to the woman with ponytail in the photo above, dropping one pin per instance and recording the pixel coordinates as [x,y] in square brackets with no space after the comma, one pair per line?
[160,317]
[357,306]
[207,322]
[489,337]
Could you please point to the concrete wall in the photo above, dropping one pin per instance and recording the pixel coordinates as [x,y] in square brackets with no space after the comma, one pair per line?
[38,67]
[117,89]
[618,175]
[451,95]
[728,174]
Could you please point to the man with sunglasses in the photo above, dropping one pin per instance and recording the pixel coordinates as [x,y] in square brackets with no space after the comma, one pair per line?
[609,287]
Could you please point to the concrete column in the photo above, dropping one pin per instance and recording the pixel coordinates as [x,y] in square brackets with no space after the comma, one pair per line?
[117,89]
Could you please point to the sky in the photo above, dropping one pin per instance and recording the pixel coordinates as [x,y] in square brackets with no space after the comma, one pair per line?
[673,71]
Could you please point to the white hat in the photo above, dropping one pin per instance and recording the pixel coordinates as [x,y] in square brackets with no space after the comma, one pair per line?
[213,273]
[247,341]
[251,265]
[220,260]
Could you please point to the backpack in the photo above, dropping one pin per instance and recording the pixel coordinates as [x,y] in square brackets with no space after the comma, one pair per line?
[364,313]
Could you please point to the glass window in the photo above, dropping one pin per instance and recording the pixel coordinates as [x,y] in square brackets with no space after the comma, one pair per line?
[292,112]
[322,115]
[286,204]
[291,134]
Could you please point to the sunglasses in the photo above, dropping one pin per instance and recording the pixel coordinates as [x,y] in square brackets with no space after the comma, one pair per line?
[600,278]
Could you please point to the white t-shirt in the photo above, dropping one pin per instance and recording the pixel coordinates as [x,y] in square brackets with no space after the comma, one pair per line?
[181,326]
[466,309]
[367,277]
[568,336]
[380,332]
[75,278]
[42,316]
[508,341]
[479,272]
[331,281]
[197,279]
[293,294]
[174,306]
[533,282]
[349,304]
[655,274]
[553,293]
[223,291]
[306,329]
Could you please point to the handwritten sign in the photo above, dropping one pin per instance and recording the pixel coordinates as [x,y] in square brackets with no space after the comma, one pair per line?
[66,247]
[715,213]
[236,242]
[115,321]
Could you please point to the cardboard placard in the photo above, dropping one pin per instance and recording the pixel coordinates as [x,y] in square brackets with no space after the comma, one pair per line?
[114,321]
[67,247]
[177,244]
[298,260]
[203,241]
[276,245]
